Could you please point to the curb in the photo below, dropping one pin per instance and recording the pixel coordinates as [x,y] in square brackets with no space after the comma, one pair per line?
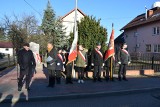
[85,95]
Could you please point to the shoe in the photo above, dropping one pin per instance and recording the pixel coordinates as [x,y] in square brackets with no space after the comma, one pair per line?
[94,80]
[99,79]
[58,80]
[82,81]
[125,79]
[119,79]
[112,80]
[79,81]
[71,82]
[107,79]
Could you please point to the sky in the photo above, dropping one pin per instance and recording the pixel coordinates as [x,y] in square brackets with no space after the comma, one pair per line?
[118,12]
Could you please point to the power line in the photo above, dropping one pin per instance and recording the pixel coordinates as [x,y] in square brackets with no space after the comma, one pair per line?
[33,8]
[115,18]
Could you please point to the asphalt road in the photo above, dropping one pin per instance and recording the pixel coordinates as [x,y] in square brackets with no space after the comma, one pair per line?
[132,100]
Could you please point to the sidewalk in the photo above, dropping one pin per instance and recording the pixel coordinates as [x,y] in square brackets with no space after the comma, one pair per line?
[39,91]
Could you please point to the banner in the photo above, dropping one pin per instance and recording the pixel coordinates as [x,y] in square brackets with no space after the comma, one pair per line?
[110,52]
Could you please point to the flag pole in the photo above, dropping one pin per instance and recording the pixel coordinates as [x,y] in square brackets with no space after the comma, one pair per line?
[75,19]
[111,64]
[75,31]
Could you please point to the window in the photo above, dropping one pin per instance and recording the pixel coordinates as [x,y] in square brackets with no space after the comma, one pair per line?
[7,49]
[135,34]
[157,48]
[148,47]
[156,30]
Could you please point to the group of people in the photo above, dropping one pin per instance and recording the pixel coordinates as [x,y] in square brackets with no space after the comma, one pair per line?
[57,61]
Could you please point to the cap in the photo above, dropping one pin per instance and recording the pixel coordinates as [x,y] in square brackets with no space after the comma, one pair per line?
[59,48]
[124,43]
[98,44]
[82,44]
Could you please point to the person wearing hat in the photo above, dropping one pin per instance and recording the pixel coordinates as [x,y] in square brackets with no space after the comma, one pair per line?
[59,65]
[123,60]
[27,63]
[51,63]
[81,62]
[97,62]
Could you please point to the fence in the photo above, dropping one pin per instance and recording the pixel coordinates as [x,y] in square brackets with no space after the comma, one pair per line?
[145,61]
[7,61]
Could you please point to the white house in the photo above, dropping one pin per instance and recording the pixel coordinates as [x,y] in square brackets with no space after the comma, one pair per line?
[6,48]
[68,20]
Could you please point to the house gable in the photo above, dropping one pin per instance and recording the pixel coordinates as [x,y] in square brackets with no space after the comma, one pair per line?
[72,12]
[68,20]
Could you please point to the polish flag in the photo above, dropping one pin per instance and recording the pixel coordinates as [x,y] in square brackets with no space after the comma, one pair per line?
[73,51]
[110,52]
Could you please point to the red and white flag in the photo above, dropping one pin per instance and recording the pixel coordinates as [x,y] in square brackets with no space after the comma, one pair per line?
[73,51]
[110,52]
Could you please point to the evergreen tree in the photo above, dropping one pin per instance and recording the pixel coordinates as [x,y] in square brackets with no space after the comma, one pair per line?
[2,34]
[60,39]
[52,27]
[90,32]
[48,23]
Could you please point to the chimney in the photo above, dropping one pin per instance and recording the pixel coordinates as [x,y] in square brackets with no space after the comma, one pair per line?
[146,12]
[149,13]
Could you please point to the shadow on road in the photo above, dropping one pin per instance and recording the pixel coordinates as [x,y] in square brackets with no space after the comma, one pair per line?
[6,71]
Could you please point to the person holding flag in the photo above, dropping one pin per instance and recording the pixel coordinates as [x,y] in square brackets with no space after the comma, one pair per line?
[123,60]
[81,63]
[109,58]
[73,51]
[97,62]
[59,65]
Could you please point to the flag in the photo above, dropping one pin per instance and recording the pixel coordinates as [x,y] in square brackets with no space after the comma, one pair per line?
[73,50]
[110,51]
[35,49]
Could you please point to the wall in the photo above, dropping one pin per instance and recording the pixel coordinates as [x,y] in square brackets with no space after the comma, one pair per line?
[68,21]
[144,36]
[9,51]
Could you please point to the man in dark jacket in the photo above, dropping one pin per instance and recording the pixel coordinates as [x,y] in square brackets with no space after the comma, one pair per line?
[97,62]
[123,60]
[51,63]
[59,65]
[27,63]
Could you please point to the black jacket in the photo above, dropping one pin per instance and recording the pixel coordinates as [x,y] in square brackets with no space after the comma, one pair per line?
[59,62]
[26,61]
[51,65]
[96,58]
